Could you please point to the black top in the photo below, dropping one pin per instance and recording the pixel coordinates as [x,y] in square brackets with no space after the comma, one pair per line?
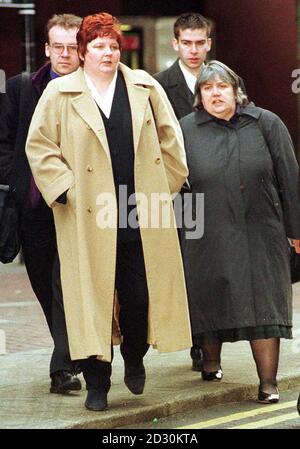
[118,128]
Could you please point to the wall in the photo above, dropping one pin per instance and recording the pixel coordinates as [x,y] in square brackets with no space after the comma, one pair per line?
[11,55]
[160,7]
[258,39]
[10,49]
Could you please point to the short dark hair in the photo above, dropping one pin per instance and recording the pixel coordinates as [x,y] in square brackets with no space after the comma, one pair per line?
[66,21]
[192,20]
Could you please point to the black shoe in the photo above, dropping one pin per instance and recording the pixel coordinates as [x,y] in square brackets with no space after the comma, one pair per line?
[267,398]
[63,382]
[298,404]
[212,376]
[96,400]
[135,377]
[197,365]
[197,358]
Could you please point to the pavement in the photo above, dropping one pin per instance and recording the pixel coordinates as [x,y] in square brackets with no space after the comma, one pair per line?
[171,386]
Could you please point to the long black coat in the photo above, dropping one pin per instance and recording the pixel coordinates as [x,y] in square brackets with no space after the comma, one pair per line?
[238,274]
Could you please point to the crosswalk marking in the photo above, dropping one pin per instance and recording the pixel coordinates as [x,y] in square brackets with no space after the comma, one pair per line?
[242,415]
[268,421]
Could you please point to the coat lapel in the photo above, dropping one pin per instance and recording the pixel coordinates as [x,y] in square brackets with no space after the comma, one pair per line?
[85,106]
[138,99]
[138,94]
[137,84]
[177,82]
[87,109]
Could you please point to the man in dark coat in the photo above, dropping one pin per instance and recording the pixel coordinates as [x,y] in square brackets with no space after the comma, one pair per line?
[192,42]
[37,229]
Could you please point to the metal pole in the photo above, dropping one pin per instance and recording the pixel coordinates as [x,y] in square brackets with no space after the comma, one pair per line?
[28,40]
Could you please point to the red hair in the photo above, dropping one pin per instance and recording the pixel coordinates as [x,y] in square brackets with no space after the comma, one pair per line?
[98,25]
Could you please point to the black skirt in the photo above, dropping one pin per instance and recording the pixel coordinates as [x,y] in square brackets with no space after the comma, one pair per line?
[245,333]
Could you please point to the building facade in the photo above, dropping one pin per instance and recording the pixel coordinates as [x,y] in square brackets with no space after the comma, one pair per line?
[258,39]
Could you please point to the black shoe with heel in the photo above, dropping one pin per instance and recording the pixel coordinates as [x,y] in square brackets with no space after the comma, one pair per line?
[267,398]
[213,375]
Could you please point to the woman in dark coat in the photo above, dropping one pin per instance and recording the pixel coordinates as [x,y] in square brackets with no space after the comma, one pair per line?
[238,277]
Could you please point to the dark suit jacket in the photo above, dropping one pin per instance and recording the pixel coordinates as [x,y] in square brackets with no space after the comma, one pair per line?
[14,125]
[180,96]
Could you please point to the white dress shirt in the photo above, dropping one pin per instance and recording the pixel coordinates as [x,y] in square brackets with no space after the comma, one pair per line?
[103,101]
[189,77]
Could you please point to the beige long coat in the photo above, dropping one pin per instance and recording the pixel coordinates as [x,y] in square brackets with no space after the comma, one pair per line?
[67,149]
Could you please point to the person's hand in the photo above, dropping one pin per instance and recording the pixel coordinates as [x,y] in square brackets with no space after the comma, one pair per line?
[296,245]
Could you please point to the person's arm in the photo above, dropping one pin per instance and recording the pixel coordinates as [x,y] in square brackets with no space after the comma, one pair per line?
[170,138]
[286,169]
[9,122]
[52,175]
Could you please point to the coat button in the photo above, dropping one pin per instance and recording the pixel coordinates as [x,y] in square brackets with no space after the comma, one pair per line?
[242,187]
[149,122]
[157,160]
[276,204]
[89,209]
[89,168]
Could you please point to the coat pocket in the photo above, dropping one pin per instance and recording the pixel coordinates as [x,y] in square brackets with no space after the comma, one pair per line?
[273,199]
[71,198]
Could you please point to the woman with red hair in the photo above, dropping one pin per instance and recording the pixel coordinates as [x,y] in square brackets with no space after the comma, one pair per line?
[103,141]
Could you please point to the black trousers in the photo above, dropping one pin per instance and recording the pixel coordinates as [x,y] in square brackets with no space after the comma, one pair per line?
[42,264]
[131,284]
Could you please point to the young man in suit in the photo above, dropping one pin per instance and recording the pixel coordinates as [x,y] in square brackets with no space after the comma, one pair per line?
[192,42]
[37,231]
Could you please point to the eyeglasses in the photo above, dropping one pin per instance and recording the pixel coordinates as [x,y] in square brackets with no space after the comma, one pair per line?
[59,48]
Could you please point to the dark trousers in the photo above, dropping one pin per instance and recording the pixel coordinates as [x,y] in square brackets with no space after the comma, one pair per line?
[131,284]
[42,264]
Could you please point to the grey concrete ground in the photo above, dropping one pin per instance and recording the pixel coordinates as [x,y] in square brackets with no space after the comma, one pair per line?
[172,387]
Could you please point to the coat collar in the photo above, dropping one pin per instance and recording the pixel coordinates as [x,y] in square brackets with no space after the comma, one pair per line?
[176,81]
[201,116]
[138,85]
[41,77]
[175,75]
[75,82]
